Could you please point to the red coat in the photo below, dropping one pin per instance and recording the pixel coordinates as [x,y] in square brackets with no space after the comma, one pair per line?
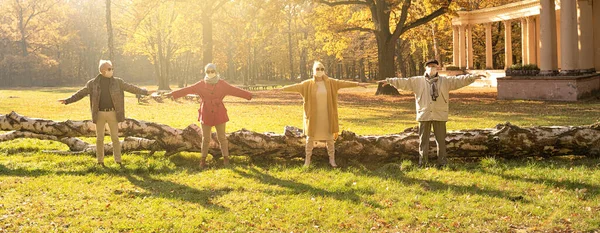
[212,111]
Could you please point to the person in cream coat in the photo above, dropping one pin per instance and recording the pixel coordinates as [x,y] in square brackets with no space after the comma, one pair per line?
[320,95]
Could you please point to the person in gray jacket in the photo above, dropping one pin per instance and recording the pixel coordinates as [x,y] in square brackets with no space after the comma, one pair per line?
[431,98]
[107,104]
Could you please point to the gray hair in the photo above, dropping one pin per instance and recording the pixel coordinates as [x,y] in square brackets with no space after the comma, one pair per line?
[316,65]
[102,62]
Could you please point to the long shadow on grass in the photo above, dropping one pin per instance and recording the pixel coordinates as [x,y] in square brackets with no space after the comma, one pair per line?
[154,187]
[297,188]
[20,172]
[593,190]
[171,190]
[86,170]
[433,186]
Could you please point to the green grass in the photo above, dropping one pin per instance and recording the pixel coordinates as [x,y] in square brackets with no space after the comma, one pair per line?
[360,111]
[42,192]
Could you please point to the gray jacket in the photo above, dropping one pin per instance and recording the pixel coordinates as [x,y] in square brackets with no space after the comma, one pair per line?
[116,86]
[427,109]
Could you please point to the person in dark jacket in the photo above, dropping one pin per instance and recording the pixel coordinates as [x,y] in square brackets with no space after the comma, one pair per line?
[107,105]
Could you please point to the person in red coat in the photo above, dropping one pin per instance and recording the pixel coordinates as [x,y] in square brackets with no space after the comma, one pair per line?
[212,111]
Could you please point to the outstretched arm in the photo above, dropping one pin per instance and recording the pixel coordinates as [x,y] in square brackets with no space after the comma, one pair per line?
[183,92]
[77,96]
[292,88]
[456,82]
[132,88]
[399,83]
[346,84]
[237,92]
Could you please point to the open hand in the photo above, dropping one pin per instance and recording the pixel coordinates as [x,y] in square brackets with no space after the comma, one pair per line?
[63,101]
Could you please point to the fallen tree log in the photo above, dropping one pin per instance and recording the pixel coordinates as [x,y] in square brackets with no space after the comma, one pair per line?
[505,140]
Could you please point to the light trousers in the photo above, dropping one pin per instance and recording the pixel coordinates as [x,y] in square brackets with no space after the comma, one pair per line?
[310,145]
[206,137]
[109,118]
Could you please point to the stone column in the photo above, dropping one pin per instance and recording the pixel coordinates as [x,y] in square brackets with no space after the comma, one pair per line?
[456,51]
[524,42]
[489,62]
[568,38]
[531,41]
[586,34]
[548,50]
[470,47]
[507,44]
[596,20]
[461,47]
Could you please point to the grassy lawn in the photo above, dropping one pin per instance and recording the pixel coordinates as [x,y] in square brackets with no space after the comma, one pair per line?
[42,192]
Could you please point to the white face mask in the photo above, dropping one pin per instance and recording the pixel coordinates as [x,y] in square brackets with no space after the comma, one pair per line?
[211,75]
[320,73]
[108,74]
[431,71]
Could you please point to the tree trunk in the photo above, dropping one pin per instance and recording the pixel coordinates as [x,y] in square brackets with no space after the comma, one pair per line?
[436,50]
[385,56]
[156,69]
[230,62]
[167,63]
[505,140]
[412,66]
[22,31]
[290,49]
[401,59]
[207,40]
[109,29]
[361,69]
[303,58]
[370,71]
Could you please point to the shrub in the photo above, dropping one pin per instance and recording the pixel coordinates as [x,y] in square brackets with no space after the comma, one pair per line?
[523,70]
[524,67]
[516,67]
[448,68]
[530,67]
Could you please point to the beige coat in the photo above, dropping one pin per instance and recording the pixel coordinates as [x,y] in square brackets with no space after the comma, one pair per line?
[427,109]
[308,91]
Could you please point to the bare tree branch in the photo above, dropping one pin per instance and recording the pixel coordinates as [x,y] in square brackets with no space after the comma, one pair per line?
[425,19]
[357,29]
[44,10]
[219,5]
[339,3]
[403,14]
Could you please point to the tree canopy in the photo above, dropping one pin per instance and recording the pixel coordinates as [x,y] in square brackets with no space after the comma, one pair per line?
[166,42]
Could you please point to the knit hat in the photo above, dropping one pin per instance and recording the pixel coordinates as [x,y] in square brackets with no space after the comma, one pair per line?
[432,61]
[210,66]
